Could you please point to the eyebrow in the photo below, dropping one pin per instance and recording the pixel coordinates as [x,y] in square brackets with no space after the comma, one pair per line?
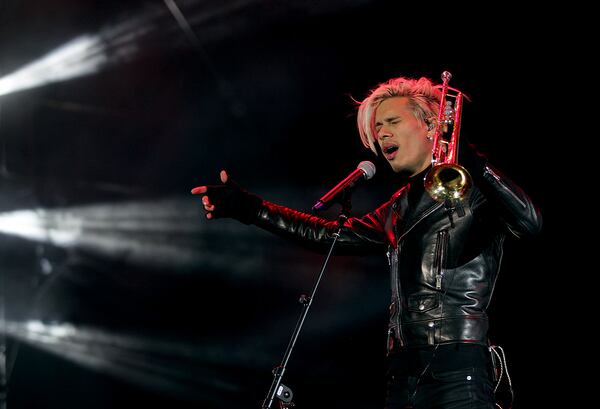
[388,120]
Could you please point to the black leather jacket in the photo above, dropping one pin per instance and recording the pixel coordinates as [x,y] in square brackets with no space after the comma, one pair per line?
[443,262]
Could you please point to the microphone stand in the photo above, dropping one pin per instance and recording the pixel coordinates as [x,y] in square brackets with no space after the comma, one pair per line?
[284,393]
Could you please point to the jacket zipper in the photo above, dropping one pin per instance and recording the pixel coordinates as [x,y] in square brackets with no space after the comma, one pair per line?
[441,249]
[498,179]
[393,262]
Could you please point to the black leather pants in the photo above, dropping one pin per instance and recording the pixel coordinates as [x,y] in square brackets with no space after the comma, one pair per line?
[461,389]
[457,379]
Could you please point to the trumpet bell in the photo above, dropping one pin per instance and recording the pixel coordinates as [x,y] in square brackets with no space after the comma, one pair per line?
[447,181]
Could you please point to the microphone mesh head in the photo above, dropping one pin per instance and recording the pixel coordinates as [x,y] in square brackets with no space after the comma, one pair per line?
[367,167]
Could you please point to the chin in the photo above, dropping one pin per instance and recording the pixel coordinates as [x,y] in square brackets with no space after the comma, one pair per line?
[400,170]
[397,167]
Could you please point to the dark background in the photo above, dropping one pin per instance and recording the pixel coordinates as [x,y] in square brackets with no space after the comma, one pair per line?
[160,308]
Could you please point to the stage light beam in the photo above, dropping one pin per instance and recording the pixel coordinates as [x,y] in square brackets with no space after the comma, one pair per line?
[90,53]
[84,55]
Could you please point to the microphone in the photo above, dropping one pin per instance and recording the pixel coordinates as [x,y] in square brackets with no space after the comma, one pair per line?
[365,170]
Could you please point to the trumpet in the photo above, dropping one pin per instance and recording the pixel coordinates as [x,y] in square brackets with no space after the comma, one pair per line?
[447,181]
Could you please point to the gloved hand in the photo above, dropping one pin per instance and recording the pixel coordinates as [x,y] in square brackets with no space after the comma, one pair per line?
[229,200]
[470,159]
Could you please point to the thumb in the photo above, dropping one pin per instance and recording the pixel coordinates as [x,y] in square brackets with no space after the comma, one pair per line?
[224,176]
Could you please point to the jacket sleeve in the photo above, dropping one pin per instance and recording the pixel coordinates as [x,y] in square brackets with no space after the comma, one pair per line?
[358,235]
[516,209]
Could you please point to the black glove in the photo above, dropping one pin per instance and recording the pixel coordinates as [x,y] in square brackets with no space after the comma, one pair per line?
[470,159]
[231,200]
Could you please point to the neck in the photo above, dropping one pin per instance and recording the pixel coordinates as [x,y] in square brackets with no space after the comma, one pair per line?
[417,187]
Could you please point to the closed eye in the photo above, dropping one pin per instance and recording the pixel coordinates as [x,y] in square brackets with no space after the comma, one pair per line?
[389,121]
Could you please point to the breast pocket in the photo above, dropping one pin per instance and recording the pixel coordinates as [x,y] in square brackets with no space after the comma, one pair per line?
[423,303]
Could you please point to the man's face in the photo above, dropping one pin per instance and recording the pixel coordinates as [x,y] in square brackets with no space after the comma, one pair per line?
[402,137]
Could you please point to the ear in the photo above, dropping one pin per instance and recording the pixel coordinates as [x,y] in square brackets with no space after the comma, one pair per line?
[430,123]
[430,128]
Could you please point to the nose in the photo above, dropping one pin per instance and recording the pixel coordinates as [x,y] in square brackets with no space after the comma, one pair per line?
[383,133]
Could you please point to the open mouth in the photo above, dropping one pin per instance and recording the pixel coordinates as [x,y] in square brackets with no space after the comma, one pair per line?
[389,151]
